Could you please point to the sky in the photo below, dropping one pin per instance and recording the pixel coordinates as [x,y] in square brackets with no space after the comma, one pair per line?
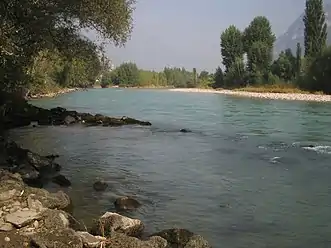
[186,33]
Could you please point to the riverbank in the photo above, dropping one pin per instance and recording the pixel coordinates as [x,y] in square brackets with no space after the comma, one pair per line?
[34,217]
[53,93]
[273,96]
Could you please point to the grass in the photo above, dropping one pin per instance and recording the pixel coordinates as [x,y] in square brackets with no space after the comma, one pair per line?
[277,88]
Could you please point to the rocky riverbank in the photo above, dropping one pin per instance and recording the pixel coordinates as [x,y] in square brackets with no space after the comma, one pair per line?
[33,217]
[274,96]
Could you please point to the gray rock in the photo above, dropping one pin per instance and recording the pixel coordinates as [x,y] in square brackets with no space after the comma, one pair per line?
[22,218]
[89,240]
[61,180]
[55,219]
[182,238]
[6,227]
[126,203]
[119,240]
[7,195]
[111,222]
[100,186]
[62,238]
[35,204]
[69,120]
[197,241]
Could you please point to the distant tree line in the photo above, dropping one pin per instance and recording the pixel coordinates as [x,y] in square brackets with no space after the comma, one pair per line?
[129,75]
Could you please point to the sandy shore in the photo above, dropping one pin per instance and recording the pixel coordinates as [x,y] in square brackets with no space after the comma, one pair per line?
[275,96]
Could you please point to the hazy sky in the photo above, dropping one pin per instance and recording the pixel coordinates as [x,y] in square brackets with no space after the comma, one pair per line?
[187,32]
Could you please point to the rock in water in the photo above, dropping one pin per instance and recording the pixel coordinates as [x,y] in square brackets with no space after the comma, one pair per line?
[126,203]
[61,180]
[182,238]
[184,130]
[110,222]
[69,120]
[100,186]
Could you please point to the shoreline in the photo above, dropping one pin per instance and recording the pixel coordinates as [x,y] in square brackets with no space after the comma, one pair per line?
[53,94]
[270,96]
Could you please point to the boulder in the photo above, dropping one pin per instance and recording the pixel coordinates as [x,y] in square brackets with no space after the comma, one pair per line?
[111,222]
[62,238]
[61,180]
[91,241]
[22,217]
[119,240]
[182,238]
[184,130]
[69,120]
[126,203]
[58,200]
[100,186]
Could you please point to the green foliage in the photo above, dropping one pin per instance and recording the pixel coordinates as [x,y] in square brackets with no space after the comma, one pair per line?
[298,62]
[127,74]
[259,57]
[315,28]
[231,46]
[318,76]
[29,27]
[235,77]
[218,78]
[258,30]
[285,66]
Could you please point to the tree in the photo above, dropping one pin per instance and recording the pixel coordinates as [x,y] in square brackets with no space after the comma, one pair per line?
[298,61]
[258,30]
[315,28]
[195,77]
[231,46]
[259,57]
[235,77]
[218,78]
[284,66]
[258,38]
[29,27]
[318,77]
[127,74]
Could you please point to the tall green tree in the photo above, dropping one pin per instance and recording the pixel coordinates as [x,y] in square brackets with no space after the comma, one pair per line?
[218,78]
[195,77]
[231,46]
[315,28]
[284,67]
[258,40]
[298,60]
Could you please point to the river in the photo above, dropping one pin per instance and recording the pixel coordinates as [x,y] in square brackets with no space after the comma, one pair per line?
[244,177]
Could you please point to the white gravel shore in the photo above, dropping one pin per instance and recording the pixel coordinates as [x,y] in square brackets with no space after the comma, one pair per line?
[275,96]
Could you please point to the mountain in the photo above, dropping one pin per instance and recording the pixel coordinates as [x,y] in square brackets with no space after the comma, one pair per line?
[295,32]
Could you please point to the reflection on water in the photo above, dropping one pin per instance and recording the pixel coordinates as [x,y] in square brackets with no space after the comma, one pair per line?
[243,178]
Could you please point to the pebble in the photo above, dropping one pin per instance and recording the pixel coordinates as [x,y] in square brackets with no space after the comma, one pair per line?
[275,96]
[7,239]
[25,209]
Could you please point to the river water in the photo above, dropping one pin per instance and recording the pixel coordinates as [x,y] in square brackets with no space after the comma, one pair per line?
[244,177]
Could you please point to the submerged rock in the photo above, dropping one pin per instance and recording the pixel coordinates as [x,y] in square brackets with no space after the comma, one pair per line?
[100,186]
[113,222]
[61,180]
[184,130]
[126,203]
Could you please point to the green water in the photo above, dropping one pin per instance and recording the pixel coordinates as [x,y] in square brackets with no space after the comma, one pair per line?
[244,177]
